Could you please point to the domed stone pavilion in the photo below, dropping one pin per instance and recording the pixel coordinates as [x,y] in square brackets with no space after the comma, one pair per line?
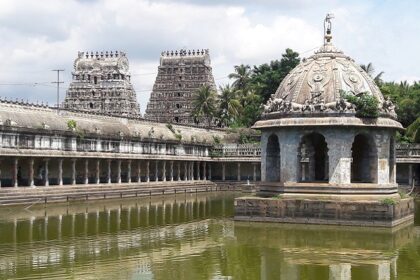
[324,160]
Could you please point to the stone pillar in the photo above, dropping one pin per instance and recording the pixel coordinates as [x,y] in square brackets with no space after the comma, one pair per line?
[164,171]
[204,171]
[254,174]
[60,171]
[410,174]
[15,172]
[46,179]
[108,172]
[138,171]
[156,171]
[239,171]
[147,171]
[339,158]
[31,173]
[129,171]
[73,171]
[185,171]
[98,171]
[341,271]
[178,176]
[86,179]
[171,174]
[0,172]
[384,271]
[119,171]
[223,172]
[198,170]
[192,171]
[210,178]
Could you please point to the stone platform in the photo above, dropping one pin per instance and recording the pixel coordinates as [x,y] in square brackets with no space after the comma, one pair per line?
[373,213]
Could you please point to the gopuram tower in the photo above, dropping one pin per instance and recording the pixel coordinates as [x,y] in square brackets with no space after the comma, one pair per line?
[101,83]
[180,74]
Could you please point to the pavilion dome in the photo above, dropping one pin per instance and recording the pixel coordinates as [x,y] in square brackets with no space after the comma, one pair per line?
[316,87]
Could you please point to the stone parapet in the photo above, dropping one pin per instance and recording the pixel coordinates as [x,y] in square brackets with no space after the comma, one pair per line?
[331,212]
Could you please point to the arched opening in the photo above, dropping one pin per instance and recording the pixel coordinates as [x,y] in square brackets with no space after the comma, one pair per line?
[95,80]
[391,160]
[91,105]
[272,167]
[313,158]
[176,119]
[364,160]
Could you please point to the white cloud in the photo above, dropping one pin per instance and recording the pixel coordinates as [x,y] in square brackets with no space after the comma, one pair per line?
[38,36]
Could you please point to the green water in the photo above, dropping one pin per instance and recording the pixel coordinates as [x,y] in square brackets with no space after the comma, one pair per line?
[192,237]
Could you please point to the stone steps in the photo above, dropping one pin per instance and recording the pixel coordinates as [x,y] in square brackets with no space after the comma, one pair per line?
[90,192]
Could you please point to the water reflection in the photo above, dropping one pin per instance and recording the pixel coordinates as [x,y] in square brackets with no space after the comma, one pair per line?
[191,237]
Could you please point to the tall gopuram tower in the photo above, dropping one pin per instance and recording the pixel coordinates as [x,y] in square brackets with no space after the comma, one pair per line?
[325,159]
[180,74]
[101,83]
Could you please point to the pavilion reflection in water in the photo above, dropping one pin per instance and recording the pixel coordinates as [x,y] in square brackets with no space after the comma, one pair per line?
[159,237]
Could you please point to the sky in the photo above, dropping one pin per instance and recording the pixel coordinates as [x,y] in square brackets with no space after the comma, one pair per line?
[39,36]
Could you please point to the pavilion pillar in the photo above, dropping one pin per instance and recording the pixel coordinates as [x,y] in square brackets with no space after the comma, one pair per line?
[239,171]
[86,173]
[46,179]
[60,171]
[31,173]
[119,171]
[156,171]
[209,177]
[185,171]
[204,171]
[178,176]
[171,170]
[223,171]
[138,171]
[15,172]
[129,171]
[164,171]
[98,171]
[147,171]
[410,174]
[339,159]
[73,171]
[108,172]
[254,175]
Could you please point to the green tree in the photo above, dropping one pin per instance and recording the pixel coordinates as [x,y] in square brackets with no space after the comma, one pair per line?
[205,103]
[241,77]
[229,105]
[266,78]
[370,70]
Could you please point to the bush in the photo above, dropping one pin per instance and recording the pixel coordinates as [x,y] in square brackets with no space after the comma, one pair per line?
[71,124]
[366,104]
[389,201]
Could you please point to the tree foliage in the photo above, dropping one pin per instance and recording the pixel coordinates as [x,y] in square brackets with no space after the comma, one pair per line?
[366,104]
[205,104]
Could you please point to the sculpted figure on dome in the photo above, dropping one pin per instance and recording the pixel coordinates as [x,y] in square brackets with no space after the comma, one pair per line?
[389,107]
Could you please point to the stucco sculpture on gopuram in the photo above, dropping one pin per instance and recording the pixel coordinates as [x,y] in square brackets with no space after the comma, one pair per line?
[101,83]
[322,161]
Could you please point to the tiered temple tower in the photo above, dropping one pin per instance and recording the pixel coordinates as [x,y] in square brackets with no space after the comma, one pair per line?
[101,83]
[180,74]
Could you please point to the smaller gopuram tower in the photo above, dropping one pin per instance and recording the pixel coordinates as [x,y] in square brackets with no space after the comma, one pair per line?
[180,74]
[101,83]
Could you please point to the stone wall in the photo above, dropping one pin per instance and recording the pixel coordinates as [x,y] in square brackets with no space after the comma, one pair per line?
[374,213]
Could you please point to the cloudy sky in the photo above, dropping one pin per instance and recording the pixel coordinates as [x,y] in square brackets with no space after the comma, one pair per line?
[38,36]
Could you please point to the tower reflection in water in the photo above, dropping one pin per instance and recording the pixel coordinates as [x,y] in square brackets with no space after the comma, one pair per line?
[185,237]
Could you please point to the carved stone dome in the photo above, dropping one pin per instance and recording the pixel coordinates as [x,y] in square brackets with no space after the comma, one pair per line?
[317,87]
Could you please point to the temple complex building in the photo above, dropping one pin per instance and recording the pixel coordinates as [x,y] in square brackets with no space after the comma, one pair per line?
[180,74]
[101,84]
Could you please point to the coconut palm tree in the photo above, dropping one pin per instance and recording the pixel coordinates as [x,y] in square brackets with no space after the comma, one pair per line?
[370,70]
[241,76]
[229,104]
[204,104]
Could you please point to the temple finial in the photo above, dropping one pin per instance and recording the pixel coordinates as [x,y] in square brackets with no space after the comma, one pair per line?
[327,28]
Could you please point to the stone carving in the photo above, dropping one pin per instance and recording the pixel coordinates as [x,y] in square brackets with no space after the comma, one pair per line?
[101,84]
[180,75]
[388,107]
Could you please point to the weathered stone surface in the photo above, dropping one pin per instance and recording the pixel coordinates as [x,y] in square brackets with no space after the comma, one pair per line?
[101,83]
[180,74]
